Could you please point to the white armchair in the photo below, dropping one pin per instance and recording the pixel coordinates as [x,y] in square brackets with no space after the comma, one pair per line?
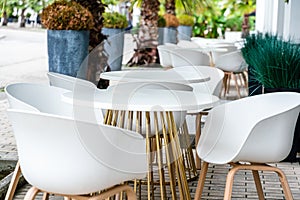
[248,133]
[71,158]
[189,57]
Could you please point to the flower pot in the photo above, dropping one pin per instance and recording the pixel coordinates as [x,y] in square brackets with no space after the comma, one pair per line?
[67,49]
[184,32]
[292,157]
[161,32]
[170,35]
[114,47]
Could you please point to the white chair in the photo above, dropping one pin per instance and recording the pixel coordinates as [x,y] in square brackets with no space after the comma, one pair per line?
[164,52]
[43,98]
[189,57]
[233,65]
[187,44]
[248,133]
[217,54]
[57,156]
[67,82]
[36,97]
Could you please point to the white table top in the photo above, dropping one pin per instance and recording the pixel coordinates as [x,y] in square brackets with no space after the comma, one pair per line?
[154,76]
[141,100]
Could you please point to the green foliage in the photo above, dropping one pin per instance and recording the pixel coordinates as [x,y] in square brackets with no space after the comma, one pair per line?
[186,20]
[234,23]
[114,20]
[64,15]
[275,62]
[161,21]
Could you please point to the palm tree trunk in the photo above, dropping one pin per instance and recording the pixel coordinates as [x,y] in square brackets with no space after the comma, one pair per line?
[170,7]
[146,52]
[97,62]
[4,23]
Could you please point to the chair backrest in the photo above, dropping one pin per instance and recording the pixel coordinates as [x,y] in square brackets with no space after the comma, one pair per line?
[48,99]
[164,52]
[189,57]
[61,155]
[67,82]
[229,48]
[37,97]
[232,62]
[187,44]
[213,86]
[253,129]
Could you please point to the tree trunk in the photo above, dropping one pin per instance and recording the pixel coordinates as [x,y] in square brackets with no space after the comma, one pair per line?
[170,7]
[23,20]
[5,21]
[147,39]
[97,62]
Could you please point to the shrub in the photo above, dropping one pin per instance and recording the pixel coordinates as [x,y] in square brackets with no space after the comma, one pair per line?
[171,20]
[66,15]
[114,20]
[186,20]
[161,22]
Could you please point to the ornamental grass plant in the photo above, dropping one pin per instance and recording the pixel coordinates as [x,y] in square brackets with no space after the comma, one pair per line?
[274,62]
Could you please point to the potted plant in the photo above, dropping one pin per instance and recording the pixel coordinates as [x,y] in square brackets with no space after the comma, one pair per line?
[114,25]
[170,32]
[186,23]
[161,24]
[68,25]
[274,64]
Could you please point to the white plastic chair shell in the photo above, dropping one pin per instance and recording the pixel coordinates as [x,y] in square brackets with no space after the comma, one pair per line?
[164,52]
[67,82]
[60,155]
[231,62]
[189,57]
[47,99]
[257,129]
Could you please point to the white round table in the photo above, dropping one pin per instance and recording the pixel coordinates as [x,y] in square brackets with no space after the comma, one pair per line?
[153,76]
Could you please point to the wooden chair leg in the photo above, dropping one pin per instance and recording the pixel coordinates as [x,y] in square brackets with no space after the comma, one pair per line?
[197,136]
[201,181]
[229,183]
[13,182]
[285,186]
[31,193]
[256,167]
[258,185]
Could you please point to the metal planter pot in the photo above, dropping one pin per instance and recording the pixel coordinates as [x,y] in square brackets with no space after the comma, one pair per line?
[67,49]
[184,32]
[114,46]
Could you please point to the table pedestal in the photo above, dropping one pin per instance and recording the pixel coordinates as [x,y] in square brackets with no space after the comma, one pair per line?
[169,150]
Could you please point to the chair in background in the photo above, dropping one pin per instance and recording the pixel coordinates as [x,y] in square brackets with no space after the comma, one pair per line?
[67,82]
[164,52]
[187,44]
[233,65]
[248,133]
[189,57]
[57,156]
[229,48]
